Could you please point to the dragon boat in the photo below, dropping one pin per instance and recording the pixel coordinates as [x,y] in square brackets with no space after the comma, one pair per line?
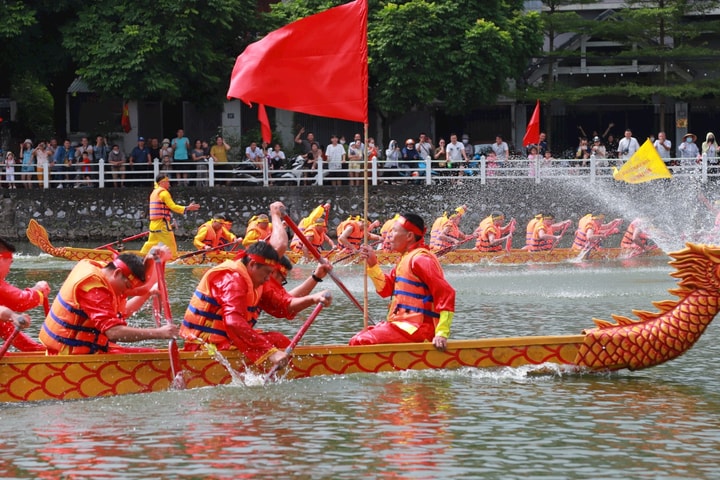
[38,236]
[651,339]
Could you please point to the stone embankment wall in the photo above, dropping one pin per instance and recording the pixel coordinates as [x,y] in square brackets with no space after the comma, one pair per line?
[103,215]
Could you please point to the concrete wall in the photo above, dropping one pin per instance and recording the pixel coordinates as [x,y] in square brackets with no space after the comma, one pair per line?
[102,215]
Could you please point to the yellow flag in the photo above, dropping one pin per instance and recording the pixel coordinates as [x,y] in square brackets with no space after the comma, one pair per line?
[643,166]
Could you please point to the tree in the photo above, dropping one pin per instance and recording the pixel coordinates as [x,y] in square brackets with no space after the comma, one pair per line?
[159,49]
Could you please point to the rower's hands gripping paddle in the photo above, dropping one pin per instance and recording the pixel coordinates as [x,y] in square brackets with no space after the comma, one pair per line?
[315,253]
[298,336]
[163,303]
[508,243]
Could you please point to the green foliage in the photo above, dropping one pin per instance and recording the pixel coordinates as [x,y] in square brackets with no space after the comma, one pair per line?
[34,104]
[166,49]
[420,51]
[15,16]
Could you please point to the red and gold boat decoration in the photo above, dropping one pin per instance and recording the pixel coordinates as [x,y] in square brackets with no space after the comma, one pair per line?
[654,338]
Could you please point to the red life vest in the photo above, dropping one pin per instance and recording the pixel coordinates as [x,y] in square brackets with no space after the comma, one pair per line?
[412,303]
[203,317]
[67,328]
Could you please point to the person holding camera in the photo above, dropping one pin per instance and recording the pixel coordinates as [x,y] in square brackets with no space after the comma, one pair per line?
[627,146]
[663,146]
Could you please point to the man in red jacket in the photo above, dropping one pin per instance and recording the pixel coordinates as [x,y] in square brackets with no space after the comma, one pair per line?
[19,300]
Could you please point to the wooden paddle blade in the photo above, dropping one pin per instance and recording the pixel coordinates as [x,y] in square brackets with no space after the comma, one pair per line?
[9,341]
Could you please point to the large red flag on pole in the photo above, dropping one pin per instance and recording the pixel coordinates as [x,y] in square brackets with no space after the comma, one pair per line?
[316,65]
[532,132]
[265,131]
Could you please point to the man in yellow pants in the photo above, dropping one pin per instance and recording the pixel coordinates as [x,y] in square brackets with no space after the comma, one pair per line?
[161,204]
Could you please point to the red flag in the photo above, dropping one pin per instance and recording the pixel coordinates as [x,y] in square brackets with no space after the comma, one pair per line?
[125,119]
[532,132]
[265,130]
[316,65]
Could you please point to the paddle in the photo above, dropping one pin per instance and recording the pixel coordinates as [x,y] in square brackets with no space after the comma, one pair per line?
[207,250]
[508,243]
[315,253]
[353,254]
[178,382]
[9,341]
[450,248]
[298,336]
[120,242]
[555,243]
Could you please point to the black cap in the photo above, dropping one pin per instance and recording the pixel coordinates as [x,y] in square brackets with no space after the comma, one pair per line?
[5,245]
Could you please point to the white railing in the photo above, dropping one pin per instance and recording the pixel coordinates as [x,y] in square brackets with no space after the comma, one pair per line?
[211,174]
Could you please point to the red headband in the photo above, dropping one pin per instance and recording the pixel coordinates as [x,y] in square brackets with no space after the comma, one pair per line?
[256,258]
[410,227]
[282,269]
[6,254]
[122,266]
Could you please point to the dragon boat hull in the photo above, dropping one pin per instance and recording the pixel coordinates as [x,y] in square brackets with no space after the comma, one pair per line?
[35,377]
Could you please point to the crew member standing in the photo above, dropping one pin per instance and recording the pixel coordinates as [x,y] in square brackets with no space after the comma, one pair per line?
[423,302]
[161,204]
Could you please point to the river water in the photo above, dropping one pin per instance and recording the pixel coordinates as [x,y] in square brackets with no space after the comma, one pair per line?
[510,423]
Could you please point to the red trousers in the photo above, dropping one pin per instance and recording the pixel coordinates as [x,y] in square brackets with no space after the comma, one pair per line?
[386,332]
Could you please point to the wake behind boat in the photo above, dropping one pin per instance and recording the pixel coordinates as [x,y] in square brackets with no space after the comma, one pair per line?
[652,339]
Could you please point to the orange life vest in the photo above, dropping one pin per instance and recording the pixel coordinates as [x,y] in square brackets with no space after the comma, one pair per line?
[356,236]
[538,244]
[203,317]
[412,303]
[158,209]
[627,240]
[586,223]
[530,230]
[254,233]
[438,226]
[67,328]
[212,239]
[486,227]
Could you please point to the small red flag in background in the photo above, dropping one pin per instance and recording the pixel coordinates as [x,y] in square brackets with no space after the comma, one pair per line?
[316,65]
[125,119]
[265,130]
[532,132]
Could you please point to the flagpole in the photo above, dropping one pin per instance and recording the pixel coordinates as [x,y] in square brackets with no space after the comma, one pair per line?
[367,223]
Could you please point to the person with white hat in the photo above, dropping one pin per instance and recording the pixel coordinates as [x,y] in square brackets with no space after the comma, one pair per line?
[689,152]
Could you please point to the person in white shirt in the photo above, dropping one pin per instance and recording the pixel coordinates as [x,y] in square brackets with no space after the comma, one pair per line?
[627,147]
[456,155]
[689,152]
[663,146]
[502,152]
[335,154]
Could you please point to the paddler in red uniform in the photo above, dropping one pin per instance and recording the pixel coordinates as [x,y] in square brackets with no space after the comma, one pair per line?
[18,300]
[423,302]
[281,303]
[161,225]
[91,308]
